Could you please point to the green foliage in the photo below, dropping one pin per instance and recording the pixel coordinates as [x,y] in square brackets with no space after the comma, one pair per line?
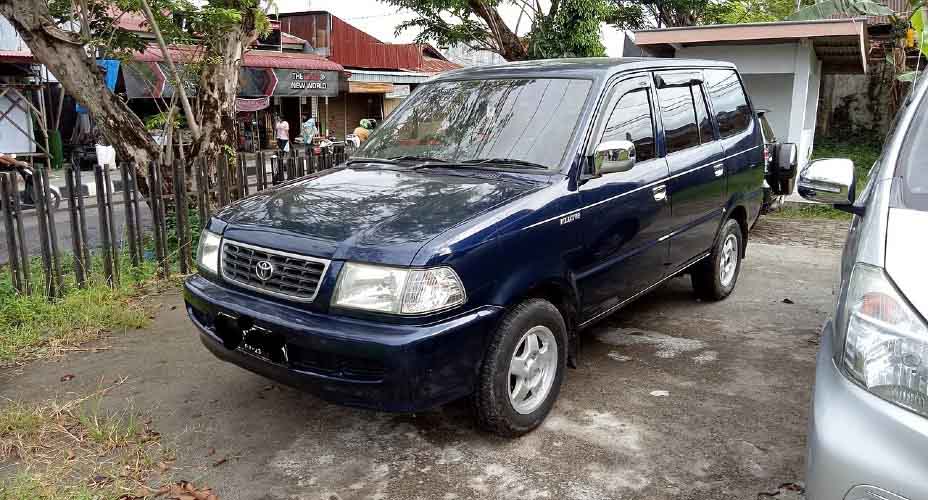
[159,120]
[827,8]
[760,11]
[181,22]
[571,30]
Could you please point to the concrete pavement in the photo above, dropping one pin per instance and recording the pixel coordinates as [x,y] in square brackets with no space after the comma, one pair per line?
[674,398]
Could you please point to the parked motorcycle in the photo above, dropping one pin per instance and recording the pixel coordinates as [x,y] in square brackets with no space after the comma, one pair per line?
[26,172]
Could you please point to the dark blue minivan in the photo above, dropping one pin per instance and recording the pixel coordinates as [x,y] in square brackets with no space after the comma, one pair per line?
[493,216]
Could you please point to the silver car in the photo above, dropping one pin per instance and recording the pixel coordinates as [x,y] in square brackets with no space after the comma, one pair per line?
[868,431]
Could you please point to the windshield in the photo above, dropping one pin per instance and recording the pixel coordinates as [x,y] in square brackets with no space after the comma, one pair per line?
[913,162]
[526,120]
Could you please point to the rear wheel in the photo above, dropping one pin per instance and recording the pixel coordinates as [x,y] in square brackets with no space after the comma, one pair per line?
[714,278]
[523,368]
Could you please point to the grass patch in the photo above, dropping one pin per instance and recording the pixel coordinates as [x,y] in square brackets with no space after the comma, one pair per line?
[75,450]
[810,211]
[33,326]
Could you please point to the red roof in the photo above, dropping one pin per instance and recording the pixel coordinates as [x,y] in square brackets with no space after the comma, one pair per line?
[353,48]
[253,58]
[16,56]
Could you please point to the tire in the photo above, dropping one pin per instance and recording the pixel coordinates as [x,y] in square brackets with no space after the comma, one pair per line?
[709,280]
[502,405]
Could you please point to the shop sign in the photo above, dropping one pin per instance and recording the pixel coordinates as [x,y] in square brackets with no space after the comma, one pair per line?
[399,92]
[306,83]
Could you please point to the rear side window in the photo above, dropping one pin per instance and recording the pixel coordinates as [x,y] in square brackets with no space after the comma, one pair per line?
[731,106]
[679,116]
[631,120]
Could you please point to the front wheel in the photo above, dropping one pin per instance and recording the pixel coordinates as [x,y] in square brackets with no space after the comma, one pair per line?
[523,369]
[714,278]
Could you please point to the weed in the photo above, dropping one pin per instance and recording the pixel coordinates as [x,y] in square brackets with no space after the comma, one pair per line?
[32,325]
[74,450]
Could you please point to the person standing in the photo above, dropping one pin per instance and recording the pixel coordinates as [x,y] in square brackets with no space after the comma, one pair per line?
[308,131]
[283,134]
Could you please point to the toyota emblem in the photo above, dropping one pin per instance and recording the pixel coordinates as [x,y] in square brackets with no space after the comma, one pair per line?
[264,270]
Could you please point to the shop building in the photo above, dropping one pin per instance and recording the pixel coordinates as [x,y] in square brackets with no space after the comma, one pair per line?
[378,75]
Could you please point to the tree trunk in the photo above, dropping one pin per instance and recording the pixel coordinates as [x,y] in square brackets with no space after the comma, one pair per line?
[509,44]
[65,55]
[218,88]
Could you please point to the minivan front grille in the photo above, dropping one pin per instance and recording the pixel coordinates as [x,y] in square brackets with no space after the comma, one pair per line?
[281,274]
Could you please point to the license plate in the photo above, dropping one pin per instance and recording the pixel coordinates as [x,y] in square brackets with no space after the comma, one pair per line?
[264,344]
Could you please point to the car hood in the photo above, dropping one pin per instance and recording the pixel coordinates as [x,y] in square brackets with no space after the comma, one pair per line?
[906,241]
[369,214]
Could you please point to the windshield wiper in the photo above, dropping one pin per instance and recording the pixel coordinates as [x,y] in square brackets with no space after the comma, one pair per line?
[361,159]
[505,161]
[418,158]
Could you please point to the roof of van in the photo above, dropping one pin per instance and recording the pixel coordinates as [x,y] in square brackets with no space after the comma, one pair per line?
[588,68]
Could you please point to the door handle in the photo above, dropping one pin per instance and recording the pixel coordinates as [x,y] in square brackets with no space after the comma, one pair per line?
[719,170]
[660,192]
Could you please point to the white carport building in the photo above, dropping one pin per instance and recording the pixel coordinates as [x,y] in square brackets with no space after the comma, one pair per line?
[782,63]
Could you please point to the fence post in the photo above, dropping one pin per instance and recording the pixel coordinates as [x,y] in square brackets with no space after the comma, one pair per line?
[130,214]
[37,198]
[111,223]
[103,217]
[52,230]
[6,205]
[222,176]
[202,191]
[24,260]
[88,263]
[154,177]
[246,191]
[134,191]
[180,210]
[80,273]
[260,172]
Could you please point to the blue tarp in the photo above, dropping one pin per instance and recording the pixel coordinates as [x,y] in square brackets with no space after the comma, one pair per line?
[112,73]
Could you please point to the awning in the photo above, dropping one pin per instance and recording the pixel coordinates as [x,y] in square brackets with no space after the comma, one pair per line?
[366,75]
[263,74]
[16,57]
[841,44]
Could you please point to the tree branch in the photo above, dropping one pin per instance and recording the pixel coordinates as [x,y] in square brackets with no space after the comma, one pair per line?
[179,86]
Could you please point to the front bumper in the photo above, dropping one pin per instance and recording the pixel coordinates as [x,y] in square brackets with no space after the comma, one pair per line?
[861,447]
[388,367]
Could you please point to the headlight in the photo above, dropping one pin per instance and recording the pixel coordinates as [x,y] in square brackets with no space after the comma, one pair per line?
[398,291]
[886,346]
[208,252]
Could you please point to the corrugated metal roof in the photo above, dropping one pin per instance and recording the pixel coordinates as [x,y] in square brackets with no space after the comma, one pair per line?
[252,59]
[353,48]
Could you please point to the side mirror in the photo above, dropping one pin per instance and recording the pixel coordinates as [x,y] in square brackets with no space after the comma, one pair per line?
[829,181]
[613,156]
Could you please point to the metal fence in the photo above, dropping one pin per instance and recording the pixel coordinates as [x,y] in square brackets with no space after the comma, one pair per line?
[247,175]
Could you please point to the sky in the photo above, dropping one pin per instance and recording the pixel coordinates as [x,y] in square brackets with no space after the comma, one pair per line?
[380,19]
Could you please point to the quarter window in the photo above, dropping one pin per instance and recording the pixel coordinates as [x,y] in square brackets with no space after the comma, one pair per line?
[731,106]
[631,120]
[679,116]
